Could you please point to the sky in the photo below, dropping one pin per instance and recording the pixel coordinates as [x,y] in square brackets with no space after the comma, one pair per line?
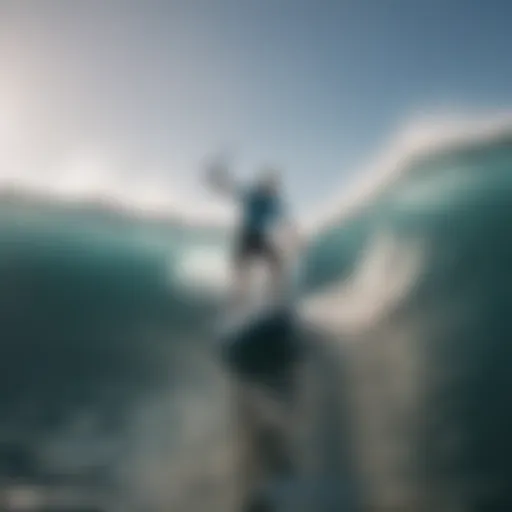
[146,91]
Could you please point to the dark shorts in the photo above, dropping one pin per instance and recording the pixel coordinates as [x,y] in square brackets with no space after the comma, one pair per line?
[251,244]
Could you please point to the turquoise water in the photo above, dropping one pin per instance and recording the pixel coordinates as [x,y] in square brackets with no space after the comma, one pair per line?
[103,363]
[431,372]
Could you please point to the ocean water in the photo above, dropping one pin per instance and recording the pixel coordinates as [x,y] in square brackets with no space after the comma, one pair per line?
[110,392]
[106,386]
[415,290]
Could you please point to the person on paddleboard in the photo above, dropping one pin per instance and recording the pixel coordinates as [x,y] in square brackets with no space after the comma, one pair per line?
[263,213]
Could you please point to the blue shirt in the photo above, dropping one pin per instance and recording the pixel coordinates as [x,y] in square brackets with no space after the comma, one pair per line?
[261,210]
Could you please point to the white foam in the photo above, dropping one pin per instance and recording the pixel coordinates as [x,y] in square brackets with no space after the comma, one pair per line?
[391,267]
[419,137]
[386,273]
[204,268]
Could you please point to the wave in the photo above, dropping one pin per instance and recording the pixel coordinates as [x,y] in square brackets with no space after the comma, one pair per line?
[412,285]
[427,165]
[157,214]
[107,377]
[418,139]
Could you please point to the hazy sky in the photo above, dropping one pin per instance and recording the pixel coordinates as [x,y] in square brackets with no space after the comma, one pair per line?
[130,87]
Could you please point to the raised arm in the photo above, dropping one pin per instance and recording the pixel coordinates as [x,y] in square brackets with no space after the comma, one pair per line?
[220,180]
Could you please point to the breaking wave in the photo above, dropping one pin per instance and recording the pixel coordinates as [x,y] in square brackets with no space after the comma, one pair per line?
[106,312]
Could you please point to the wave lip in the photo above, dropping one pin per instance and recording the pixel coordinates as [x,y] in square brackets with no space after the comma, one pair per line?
[419,139]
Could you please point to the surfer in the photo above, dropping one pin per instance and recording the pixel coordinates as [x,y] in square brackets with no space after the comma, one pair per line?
[263,213]
[261,351]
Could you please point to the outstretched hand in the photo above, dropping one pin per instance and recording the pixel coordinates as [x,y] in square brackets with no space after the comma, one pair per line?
[218,176]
